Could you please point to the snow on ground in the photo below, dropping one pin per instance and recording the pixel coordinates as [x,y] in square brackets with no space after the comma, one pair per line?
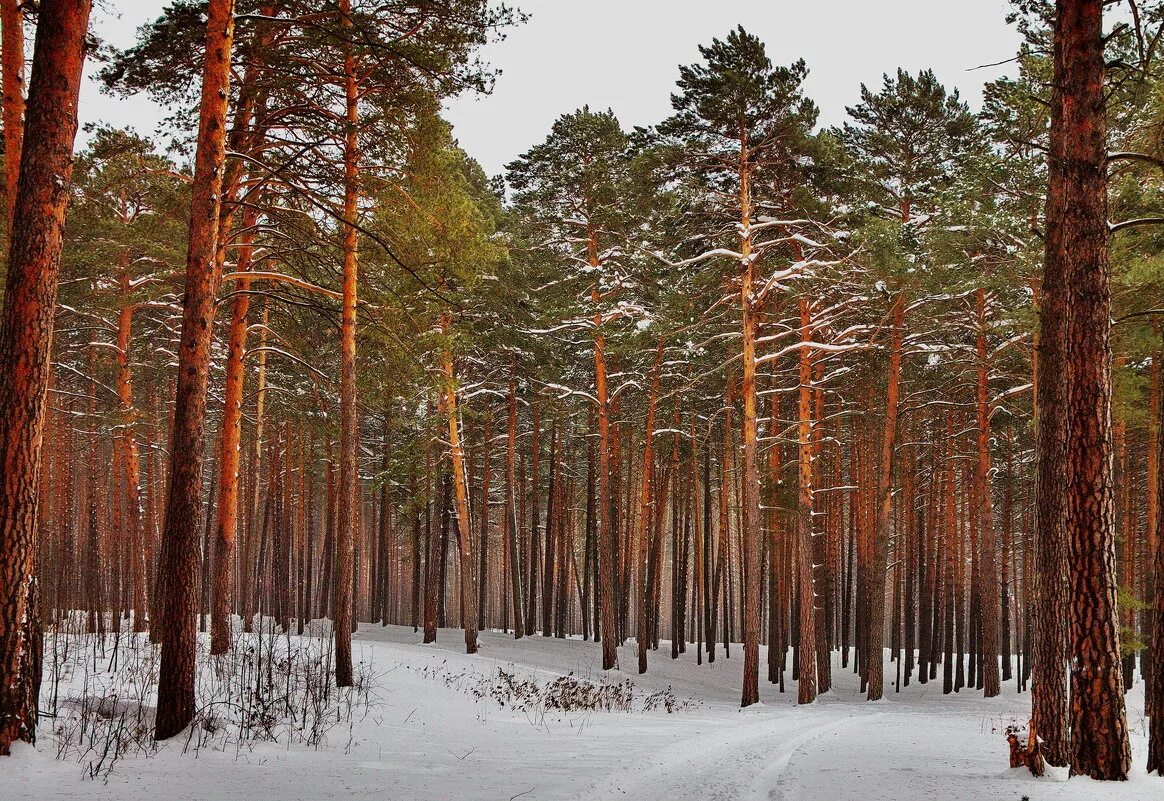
[431,737]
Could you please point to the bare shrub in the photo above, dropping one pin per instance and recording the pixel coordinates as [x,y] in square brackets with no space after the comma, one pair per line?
[100,692]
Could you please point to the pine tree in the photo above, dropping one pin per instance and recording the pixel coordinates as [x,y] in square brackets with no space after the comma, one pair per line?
[741,127]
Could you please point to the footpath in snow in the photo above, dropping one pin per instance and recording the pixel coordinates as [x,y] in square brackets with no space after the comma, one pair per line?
[444,725]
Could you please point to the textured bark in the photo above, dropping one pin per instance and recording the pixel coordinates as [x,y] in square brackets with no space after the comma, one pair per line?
[1154,689]
[26,331]
[179,559]
[1099,736]
[12,66]
[1052,598]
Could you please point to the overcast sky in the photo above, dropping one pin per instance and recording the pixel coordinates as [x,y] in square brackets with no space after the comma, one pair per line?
[624,54]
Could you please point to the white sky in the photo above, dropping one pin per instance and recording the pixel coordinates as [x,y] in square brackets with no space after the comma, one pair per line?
[624,54]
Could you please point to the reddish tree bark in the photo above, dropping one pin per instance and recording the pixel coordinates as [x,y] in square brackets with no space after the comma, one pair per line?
[349,422]
[179,560]
[26,333]
[461,490]
[1099,733]
[12,65]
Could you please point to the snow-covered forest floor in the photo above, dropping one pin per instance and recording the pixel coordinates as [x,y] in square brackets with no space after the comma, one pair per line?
[433,723]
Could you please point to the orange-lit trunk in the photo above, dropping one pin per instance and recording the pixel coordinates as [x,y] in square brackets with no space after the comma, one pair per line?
[179,562]
[1078,182]
[129,456]
[460,490]
[231,449]
[349,424]
[244,136]
[12,65]
[26,332]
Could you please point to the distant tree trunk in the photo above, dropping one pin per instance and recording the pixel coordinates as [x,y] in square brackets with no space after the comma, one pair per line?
[607,548]
[222,596]
[247,571]
[1152,520]
[129,457]
[431,557]
[348,502]
[989,561]
[457,459]
[553,497]
[1099,735]
[534,559]
[880,557]
[179,559]
[511,523]
[26,332]
[750,533]
[721,549]
[950,560]
[645,510]
[806,602]
[483,557]
[776,574]
[94,564]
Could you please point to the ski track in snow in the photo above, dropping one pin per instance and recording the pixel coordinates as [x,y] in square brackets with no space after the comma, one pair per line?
[428,740]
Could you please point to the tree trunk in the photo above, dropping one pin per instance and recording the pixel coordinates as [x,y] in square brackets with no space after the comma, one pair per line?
[348,502]
[875,635]
[457,459]
[989,586]
[607,549]
[1052,592]
[646,509]
[511,523]
[179,559]
[38,221]
[12,65]
[806,601]
[1099,735]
